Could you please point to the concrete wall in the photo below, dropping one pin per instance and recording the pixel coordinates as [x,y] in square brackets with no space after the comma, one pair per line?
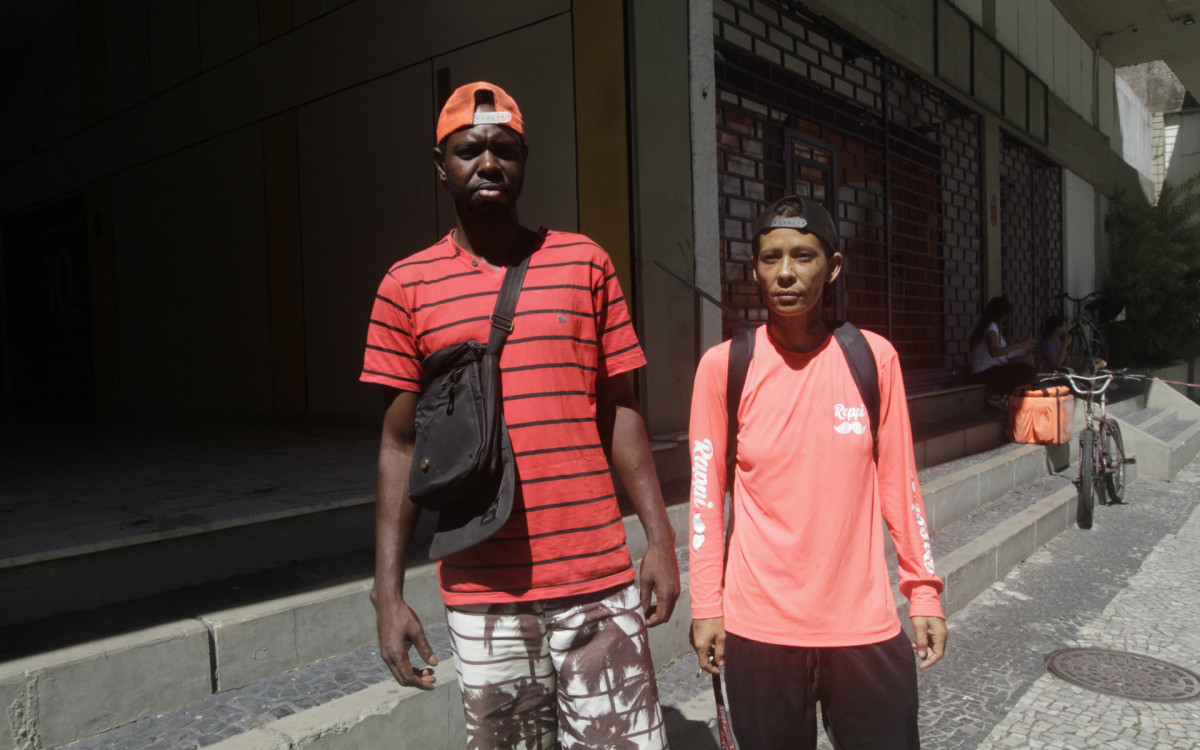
[192,278]
[706,220]
[1079,230]
[901,28]
[662,156]
[355,183]
[973,9]
[261,165]
[1042,39]
[370,196]
[1135,129]
[1185,160]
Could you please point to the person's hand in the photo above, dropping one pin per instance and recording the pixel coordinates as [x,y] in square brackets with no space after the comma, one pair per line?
[708,638]
[931,635]
[399,627]
[1028,344]
[1066,339]
[659,583]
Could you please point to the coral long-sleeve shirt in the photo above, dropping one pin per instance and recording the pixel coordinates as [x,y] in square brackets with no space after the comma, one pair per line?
[806,560]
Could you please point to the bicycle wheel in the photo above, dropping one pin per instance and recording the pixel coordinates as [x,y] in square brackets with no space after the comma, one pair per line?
[1114,461]
[1087,464]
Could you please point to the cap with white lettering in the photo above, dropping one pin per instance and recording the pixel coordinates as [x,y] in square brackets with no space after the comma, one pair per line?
[813,219]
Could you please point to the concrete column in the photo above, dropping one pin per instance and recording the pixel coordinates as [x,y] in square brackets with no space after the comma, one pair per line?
[706,229]
[598,33]
[662,208]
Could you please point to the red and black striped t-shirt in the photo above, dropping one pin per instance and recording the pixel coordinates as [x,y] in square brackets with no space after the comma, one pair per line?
[570,329]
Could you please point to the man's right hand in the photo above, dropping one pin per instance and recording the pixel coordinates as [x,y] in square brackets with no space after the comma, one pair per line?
[708,638]
[399,628]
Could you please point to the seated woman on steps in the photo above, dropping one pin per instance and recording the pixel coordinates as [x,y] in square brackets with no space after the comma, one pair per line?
[996,363]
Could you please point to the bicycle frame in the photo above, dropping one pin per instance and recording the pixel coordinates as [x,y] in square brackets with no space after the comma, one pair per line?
[1098,437]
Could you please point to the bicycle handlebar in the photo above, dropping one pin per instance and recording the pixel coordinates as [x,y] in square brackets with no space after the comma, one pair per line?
[1084,298]
[1075,380]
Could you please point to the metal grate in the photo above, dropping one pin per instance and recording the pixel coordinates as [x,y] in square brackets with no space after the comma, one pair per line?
[1123,674]
[806,108]
[1031,236]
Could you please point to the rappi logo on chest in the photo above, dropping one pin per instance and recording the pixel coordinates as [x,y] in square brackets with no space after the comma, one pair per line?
[849,417]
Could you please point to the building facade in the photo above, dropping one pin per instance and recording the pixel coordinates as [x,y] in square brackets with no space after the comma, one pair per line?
[197,200]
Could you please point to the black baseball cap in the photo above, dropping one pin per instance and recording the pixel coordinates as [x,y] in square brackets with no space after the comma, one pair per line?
[813,219]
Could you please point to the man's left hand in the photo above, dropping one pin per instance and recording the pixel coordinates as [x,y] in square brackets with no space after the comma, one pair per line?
[660,584]
[931,635]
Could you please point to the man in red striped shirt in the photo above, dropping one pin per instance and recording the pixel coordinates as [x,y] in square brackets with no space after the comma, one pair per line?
[546,620]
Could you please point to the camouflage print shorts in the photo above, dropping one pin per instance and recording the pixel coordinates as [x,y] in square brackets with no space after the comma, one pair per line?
[576,670]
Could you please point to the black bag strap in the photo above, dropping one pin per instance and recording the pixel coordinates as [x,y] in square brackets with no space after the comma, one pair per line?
[863,370]
[506,305]
[741,351]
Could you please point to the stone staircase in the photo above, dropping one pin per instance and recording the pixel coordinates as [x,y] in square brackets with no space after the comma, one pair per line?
[285,659]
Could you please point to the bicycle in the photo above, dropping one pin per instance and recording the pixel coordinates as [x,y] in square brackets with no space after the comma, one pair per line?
[1101,447]
[1087,341]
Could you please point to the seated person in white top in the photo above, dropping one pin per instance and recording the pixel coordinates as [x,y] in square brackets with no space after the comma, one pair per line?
[994,362]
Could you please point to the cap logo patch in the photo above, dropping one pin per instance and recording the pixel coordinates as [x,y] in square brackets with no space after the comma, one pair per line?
[492,118]
[794,222]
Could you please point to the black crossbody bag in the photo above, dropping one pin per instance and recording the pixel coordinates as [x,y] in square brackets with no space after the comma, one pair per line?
[461,441]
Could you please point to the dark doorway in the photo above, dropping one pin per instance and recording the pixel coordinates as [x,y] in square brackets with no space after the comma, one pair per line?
[46,358]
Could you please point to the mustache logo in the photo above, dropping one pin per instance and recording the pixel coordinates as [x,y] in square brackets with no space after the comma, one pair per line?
[847,427]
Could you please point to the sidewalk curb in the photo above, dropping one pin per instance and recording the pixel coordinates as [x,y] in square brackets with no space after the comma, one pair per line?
[159,669]
[972,568]
[384,715]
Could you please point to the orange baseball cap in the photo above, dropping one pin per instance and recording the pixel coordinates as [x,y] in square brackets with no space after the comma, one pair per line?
[459,111]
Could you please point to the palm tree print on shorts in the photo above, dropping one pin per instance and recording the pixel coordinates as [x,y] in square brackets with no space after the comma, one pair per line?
[574,670]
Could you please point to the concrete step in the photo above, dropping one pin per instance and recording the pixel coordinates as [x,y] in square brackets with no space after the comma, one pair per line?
[216,653]
[64,694]
[152,507]
[952,422]
[151,504]
[1165,434]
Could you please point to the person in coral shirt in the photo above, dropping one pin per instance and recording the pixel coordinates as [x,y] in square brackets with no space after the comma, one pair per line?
[799,610]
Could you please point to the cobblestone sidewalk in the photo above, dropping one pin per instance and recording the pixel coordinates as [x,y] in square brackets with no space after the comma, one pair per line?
[1131,583]
[1156,614]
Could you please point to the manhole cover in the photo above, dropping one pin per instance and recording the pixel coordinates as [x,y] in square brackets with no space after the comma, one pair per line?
[1123,674]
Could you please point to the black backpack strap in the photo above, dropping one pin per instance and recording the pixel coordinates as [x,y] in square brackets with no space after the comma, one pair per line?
[506,305]
[741,351]
[863,369]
